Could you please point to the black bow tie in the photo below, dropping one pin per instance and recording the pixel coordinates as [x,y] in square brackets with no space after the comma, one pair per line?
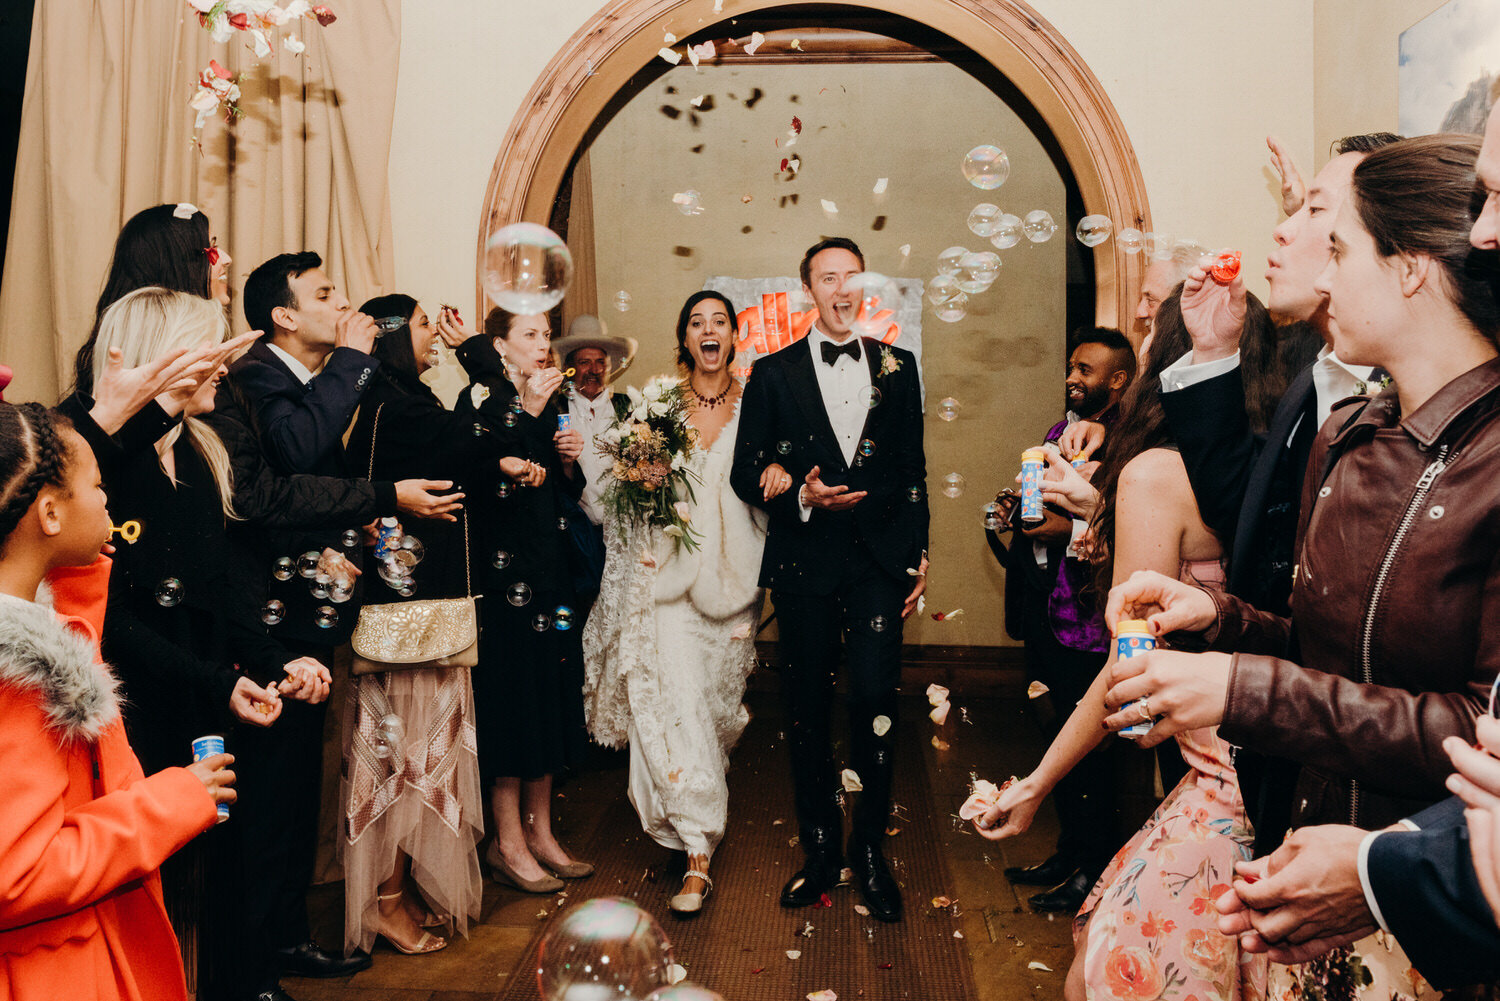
[831,351]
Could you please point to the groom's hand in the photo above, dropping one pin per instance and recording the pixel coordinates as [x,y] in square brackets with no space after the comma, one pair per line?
[816,493]
[916,592]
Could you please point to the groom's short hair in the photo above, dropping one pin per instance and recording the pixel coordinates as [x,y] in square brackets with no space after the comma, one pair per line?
[828,243]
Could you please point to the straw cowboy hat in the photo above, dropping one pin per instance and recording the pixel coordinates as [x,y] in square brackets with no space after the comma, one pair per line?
[590,332]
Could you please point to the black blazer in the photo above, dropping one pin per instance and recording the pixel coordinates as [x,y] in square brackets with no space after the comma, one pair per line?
[1425,885]
[782,420]
[302,426]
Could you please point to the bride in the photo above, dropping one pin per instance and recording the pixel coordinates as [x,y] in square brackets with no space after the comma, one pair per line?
[672,637]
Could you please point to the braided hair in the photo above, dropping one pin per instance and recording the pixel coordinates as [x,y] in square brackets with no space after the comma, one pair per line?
[33,455]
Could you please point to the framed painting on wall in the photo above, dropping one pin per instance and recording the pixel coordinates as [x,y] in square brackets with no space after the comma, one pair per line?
[1449,64]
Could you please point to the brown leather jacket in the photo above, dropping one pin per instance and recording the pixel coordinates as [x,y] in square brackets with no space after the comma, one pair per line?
[1395,607]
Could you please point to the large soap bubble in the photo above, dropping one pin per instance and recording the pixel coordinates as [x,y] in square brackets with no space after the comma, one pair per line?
[947,300]
[685,992]
[984,219]
[1039,226]
[1008,232]
[1093,230]
[606,948]
[1158,245]
[986,167]
[876,294]
[527,268]
[948,260]
[978,271]
[1130,240]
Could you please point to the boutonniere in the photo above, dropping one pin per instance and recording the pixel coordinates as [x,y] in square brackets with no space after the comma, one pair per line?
[1362,388]
[889,363]
[479,394]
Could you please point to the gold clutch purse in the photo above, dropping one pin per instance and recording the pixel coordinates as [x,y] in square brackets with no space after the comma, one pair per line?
[404,635]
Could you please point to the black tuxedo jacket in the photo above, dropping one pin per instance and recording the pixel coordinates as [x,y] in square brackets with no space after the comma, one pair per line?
[302,426]
[1430,898]
[782,420]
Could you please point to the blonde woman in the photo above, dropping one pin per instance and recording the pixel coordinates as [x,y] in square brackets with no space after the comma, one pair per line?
[180,614]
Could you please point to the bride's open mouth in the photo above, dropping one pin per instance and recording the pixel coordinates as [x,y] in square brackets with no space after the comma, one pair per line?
[710,350]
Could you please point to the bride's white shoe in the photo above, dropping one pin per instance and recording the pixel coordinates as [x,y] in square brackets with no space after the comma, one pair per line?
[691,903]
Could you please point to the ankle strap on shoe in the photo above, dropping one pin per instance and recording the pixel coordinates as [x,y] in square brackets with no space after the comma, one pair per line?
[701,875]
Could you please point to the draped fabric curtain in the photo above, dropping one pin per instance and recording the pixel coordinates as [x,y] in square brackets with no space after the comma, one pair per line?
[106,131]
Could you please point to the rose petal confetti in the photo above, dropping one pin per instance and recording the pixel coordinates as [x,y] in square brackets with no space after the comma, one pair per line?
[756,40]
[985,795]
[777,822]
[697,102]
[905,249]
[822,996]
[824,900]
[941,902]
[797,44]
[670,55]
[861,910]
[796,126]
[891,832]
[830,207]
[941,745]
[921,603]
[747,199]
[324,15]
[881,184]
[741,632]
[881,725]
[851,780]
[846,875]
[807,930]
[936,695]
[939,714]
[794,954]
[676,974]
[957,933]
[668,38]
[1036,690]
[758,969]
[541,915]
[1034,965]
[704,50]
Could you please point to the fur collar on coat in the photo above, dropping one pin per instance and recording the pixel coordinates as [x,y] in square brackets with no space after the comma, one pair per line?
[39,653]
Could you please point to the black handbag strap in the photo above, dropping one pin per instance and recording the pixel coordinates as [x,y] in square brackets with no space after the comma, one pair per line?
[370,475]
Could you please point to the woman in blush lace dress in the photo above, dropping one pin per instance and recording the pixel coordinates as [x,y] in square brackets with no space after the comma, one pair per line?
[672,637]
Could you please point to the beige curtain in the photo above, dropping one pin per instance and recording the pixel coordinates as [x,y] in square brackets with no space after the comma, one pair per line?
[106,131]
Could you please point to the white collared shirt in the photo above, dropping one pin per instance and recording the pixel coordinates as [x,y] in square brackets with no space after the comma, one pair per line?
[592,418]
[301,371]
[1333,380]
[843,385]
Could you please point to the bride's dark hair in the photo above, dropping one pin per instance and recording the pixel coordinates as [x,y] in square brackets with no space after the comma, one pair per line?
[684,356]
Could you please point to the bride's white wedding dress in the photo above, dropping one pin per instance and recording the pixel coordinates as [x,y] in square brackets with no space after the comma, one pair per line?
[668,647]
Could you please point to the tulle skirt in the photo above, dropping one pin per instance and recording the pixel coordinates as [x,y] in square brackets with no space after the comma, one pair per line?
[410,784]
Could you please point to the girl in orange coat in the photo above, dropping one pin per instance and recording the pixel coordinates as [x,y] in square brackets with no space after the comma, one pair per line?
[82,831]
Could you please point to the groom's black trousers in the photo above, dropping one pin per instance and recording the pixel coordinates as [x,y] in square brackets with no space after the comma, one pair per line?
[865,609]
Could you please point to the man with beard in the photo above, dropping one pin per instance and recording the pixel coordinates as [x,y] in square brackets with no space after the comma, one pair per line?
[1066,642]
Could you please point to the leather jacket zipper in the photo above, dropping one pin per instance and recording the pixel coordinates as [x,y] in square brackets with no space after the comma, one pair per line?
[1367,633]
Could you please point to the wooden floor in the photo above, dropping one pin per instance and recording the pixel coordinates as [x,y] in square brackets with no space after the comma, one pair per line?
[993,734]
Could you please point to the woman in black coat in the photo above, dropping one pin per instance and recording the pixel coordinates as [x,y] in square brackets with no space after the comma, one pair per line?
[411,773]
[529,691]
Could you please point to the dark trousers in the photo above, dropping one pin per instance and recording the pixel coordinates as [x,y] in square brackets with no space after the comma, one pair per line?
[1087,799]
[280,771]
[865,610]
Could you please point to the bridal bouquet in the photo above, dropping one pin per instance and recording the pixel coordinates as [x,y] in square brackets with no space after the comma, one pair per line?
[650,443]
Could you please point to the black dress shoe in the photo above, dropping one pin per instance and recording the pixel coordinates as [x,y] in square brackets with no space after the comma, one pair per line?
[1048,873]
[875,882]
[1066,897]
[818,875]
[309,960]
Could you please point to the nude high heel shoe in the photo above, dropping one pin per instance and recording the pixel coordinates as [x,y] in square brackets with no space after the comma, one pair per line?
[427,943]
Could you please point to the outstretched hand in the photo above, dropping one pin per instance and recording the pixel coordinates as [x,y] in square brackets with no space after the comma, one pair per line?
[424,499]
[816,493]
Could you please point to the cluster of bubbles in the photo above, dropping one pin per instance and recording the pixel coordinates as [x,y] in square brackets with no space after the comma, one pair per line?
[1157,246]
[396,555]
[527,268]
[327,580]
[606,948]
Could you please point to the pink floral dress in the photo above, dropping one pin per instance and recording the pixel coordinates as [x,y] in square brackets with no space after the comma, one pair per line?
[1152,925]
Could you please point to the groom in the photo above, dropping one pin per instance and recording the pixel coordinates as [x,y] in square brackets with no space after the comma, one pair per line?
[845,556]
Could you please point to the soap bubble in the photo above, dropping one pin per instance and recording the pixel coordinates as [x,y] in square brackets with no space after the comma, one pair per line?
[1008,232]
[948,260]
[877,294]
[867,448]
[319,589]
[562,618]
[956,309]
[541,622]
[500,560]
[389,734]
[986,167]
[411,549]
[504,488]
[948,408]
[914,494]
[688,202]
[1158,245]
[984,219]
[340,591]
[390,571]
[946,298]
[603,948]
[509,420]
[325,617]
[877,624]
[350,539]
[272,612]
[1130,240]
[1093,230]
[169,592]
[783,447]
[283,568]
[562,524]
[870,398]
[953,485]
[622,301]
[1039,226]
[527,268]
[991,515]
[307,563]
[518,594]
[978,271]
[684,992]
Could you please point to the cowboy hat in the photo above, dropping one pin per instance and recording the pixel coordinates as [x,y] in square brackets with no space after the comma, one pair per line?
[590,332]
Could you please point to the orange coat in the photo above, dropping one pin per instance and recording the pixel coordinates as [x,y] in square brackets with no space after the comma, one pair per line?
[82,831]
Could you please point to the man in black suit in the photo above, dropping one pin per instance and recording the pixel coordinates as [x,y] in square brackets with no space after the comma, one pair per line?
[302,383]
[845,556]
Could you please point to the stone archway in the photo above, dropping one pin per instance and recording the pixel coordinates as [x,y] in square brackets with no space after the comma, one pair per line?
[600,58]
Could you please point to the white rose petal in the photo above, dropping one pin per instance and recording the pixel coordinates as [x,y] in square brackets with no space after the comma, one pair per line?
[939,714]
[794,954]
[851,780]
[881,725]
[294,45]
[881,184]
[756,40]
[936,695]
[670,55]
[830,207]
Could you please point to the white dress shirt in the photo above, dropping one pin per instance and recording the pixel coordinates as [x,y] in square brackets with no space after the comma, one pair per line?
[843,386]
[1364,870]
[302,372]
[1333,380]
[592,418]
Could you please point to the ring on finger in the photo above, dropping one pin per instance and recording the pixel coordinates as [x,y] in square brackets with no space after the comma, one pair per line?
[1144,708]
